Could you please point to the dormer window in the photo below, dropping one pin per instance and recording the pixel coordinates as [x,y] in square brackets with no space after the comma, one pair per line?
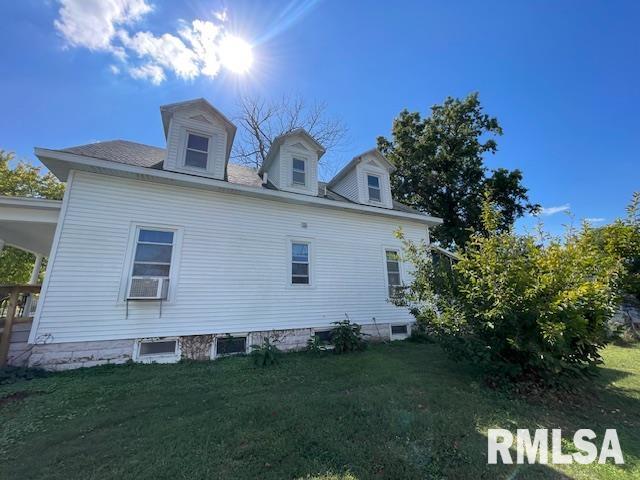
[373,183]
[197,151]
[299,172]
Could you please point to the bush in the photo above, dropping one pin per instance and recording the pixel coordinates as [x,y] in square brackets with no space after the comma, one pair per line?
[315,345]
[347,337]
[14,374]
[265,355]
[522,307]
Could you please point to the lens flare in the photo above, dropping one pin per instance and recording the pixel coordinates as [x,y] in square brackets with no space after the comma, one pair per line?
[236,54]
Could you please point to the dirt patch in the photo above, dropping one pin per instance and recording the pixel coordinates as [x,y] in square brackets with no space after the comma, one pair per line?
[18,396]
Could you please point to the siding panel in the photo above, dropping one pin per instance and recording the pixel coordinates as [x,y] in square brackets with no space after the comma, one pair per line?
[232,264]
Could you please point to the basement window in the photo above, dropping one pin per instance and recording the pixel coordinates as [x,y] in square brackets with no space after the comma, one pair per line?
[324,336]
[231,345]
[158,350]
[399,330]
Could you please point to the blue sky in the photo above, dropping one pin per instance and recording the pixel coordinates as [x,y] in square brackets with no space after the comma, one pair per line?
[563,77]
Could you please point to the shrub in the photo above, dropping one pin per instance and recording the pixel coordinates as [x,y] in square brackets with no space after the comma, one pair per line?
[347,337]
[13,374]
[521,307]
[315,345]
[265,355]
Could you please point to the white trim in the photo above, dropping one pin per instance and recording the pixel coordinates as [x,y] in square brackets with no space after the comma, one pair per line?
[214,344]
[311,252]
[157,357]
[30,202]
[398,250]
[58,162]
[192,131]
[52,258]
[367,186]
[305,171]
[127,270]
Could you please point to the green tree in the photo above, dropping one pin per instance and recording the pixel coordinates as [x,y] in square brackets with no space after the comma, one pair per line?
[23,180]
[440,168]
[523,307]
[621,238]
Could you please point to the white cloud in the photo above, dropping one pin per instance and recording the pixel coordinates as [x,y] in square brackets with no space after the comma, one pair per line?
[107,25]
[165,52]
[595,219]
[546,211]
[92,24]
[148,71]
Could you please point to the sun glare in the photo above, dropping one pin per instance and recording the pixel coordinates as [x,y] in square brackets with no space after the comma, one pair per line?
[236,54]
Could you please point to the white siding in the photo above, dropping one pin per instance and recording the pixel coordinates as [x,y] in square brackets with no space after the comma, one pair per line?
[188,120]
[273,173]
[280,172]
[348,186]
[373,167]
[232,264]
[354,184]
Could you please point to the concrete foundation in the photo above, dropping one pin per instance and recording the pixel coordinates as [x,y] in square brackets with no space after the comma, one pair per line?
[71,355]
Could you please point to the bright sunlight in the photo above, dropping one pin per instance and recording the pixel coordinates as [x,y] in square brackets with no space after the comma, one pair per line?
[236,54]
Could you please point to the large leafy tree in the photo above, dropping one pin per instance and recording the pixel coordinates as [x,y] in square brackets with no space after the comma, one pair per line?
[22,180]
[440,168]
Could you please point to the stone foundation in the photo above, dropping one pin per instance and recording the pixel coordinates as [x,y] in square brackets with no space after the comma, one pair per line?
[71,355]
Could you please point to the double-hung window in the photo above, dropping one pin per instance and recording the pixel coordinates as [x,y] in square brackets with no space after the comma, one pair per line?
[300,264]
[394,282]
[299,172]
[373,184]
[197,151]
[152,263]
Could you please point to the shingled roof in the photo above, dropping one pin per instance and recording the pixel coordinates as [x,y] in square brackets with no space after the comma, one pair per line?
[140,155]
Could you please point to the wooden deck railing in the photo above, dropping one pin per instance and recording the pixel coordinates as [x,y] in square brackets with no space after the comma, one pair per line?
[15,307]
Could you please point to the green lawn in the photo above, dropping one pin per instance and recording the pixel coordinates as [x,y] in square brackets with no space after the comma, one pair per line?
[396,411]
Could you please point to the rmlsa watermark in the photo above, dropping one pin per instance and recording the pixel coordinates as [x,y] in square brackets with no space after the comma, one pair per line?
[536,449]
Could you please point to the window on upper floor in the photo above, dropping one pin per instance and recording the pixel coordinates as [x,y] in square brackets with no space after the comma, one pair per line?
[373,184]
[197,151]
[299,174]
[300,263]
[394,281]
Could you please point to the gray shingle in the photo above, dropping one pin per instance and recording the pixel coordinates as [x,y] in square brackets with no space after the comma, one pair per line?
[137,154]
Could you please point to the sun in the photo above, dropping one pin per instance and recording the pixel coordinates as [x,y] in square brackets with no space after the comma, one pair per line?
[236,54]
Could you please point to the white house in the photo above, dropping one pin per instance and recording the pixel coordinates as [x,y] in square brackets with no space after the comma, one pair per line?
[160,254]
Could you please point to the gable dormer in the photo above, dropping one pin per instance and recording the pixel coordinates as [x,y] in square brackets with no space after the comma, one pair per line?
[292,163]
[366,180]
[199,138]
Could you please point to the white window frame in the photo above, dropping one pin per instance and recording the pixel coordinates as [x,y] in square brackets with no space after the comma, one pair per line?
[372,200]
[214,346]
[306,171]
[157,357]
[311,260]
[386,270]
[399,336]
[127,274]
[209,136]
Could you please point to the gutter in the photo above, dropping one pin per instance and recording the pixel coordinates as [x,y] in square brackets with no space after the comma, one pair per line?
[61,163]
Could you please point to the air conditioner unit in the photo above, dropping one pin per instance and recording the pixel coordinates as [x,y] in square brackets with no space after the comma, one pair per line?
[147,288]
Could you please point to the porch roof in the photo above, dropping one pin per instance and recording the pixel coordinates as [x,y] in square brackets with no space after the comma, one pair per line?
[29,223]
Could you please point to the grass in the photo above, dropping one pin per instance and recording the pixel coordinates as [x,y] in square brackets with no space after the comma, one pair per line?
[396,411]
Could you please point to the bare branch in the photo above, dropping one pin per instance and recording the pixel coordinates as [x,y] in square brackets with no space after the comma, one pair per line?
[260,122]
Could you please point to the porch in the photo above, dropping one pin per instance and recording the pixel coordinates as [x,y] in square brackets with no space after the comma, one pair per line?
[28,224]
